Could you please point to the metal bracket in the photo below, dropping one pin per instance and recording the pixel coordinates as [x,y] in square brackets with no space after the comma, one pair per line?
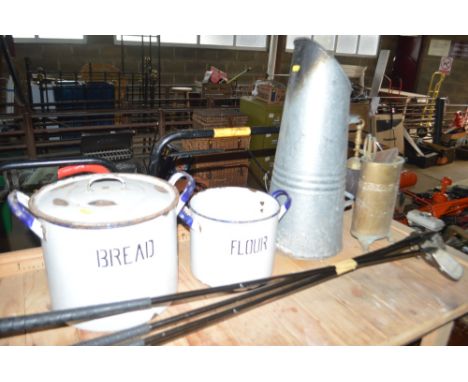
[437,255]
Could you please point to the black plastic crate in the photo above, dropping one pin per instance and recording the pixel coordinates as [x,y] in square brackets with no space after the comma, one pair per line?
[422,162]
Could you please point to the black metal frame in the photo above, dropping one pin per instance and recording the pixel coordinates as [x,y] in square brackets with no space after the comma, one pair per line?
[154,167]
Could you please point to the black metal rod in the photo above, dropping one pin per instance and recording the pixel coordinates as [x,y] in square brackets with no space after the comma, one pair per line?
[11,68]
[438,120]
[158,147]
[58,318]
[27,66]
[13,325]
[288,287]
[130,333]
[23,165]
[122,55]
[159,70]
[393,252]
[273,292]
[47,88]
[142,94]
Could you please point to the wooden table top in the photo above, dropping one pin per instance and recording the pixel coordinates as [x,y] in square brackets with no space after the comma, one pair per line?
[387,304]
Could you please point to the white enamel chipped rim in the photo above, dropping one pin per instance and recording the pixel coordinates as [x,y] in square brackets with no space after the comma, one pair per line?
[235,205]
[232,204]
[104,200]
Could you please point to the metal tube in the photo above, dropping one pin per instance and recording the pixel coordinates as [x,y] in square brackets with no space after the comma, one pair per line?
[310,161]
[122,59]
[272,57]
[19,95]
[28,164]
[438,120]
[158,147]
[27,66]
[29,134]
[159,71]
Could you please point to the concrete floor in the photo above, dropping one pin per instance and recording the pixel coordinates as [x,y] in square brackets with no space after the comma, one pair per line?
[430,177]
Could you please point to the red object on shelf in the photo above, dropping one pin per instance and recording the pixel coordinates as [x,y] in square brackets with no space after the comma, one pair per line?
[440,205]
[441,197]
[63,172]
[408,179]
[217,75]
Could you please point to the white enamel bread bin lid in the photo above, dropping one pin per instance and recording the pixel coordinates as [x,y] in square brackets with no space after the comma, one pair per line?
[104,200]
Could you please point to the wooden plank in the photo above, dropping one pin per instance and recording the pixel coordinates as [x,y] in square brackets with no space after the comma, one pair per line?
[387,304]
[36,300]
[438,337]
[12,303]
[18,262]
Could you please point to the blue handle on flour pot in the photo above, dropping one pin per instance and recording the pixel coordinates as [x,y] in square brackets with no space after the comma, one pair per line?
[286,205]
[184,196]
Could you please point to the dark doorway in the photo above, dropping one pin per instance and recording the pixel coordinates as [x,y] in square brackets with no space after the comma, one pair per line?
[405,63]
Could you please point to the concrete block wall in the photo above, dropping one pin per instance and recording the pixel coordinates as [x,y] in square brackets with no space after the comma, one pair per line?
[184,65]
[455,85]
[179,65]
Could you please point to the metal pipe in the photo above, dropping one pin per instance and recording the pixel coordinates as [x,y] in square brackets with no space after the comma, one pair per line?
[27,66]
[29,134]
[438,120]
[158,147]
[20,98]
[159,70]
[310,162]
[272,57]
[23,165]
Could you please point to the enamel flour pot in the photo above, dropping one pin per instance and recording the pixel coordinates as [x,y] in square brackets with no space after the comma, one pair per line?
[107,238]
[233,233]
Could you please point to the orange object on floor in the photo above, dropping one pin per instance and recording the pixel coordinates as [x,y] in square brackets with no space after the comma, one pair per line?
[408,179]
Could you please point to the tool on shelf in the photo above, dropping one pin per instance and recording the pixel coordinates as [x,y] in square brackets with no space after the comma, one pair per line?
[370,147]
[353,165]
[354,162]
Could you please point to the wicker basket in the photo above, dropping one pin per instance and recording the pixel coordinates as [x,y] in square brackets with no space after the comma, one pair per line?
[216,90]
[219,169]
[216,117]
[231,143]
[270,93]
[231,172]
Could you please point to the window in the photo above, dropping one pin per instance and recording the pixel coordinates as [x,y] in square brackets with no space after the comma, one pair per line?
[137,39]
[368,45]
[251,41]
[360,45]
[63,38]
[346,44]
[255,42]
[179,38]
[328,42]
[227,40]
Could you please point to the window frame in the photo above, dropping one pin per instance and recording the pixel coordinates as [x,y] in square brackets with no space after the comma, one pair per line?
[334,53]
[39,40]
[199,45]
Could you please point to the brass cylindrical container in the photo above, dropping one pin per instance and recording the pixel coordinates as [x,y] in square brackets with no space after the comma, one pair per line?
[375,200]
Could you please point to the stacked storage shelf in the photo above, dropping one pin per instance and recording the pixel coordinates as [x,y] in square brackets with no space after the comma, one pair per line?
[215,170]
